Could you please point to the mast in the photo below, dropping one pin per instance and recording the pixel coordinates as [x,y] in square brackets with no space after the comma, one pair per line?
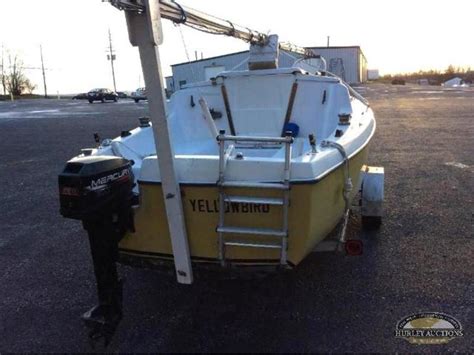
[145,32]
[203,22]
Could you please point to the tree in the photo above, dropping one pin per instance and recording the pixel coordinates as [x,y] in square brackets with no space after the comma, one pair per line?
[29,86]
[451,70]
[16,81]
[3,79]
[2,74]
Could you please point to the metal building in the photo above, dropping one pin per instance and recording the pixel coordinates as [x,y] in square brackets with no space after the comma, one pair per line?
[204,69]
[347,62]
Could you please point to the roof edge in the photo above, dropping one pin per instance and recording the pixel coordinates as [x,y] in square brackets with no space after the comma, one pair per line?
[246,51]
[342,47]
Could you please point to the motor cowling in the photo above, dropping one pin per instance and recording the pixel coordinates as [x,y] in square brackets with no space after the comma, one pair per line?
[93,186]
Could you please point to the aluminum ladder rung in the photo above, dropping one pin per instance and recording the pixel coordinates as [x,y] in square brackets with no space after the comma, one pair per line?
[252,245]
[253,231]
[254,200]
[256,185]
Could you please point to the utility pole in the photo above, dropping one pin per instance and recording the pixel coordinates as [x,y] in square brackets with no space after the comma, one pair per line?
[44,74]
[328,40]
[111,56]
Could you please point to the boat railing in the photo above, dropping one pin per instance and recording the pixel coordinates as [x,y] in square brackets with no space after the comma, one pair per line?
[351,90]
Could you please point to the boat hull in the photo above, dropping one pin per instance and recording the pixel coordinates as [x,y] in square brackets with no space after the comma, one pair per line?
[316,207]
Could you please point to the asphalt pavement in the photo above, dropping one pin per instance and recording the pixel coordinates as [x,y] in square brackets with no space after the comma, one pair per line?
[420,260]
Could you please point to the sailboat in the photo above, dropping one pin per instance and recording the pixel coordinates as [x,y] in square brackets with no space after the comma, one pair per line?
[251,168]
[270,176]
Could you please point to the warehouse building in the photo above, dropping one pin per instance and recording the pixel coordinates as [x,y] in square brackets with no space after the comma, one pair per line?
[349,63]
[204,69]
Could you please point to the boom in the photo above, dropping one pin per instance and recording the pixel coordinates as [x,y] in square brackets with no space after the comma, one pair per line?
[203,22]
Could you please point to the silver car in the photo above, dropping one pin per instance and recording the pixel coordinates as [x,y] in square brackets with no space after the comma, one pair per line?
[139,94]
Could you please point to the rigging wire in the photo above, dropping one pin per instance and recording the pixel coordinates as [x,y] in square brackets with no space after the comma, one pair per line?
[240,64]
[193,73]
[184,42]
[201,21]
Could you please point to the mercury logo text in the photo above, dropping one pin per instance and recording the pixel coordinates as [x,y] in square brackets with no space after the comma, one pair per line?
[99,183]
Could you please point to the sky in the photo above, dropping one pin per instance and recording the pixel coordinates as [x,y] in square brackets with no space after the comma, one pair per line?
[395,35]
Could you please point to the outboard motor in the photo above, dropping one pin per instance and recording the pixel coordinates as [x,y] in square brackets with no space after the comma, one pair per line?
[98,191]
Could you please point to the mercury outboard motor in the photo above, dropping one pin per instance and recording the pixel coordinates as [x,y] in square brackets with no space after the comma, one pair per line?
[98,191]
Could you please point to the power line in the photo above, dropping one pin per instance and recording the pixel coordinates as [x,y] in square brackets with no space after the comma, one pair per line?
[29,68]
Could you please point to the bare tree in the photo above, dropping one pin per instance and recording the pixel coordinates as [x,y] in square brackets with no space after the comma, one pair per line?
[2,75]
[29,87]
[4,83]
[16,81]
[450,70]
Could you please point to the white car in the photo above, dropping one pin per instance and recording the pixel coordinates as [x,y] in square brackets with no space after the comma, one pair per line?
[139,94]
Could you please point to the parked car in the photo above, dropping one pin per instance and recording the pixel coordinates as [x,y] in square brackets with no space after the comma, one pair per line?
[82,96]
[101,95]
[122,95]
[139,94]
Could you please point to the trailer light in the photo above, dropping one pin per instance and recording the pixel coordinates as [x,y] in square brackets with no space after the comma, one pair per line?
[354,247]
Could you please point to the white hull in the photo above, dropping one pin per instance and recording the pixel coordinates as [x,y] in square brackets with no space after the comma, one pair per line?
[196,150]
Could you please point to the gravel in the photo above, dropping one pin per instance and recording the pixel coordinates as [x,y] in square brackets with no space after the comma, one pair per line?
[420,260]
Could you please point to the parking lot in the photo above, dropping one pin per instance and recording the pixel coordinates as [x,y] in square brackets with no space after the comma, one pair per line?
[420,260]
